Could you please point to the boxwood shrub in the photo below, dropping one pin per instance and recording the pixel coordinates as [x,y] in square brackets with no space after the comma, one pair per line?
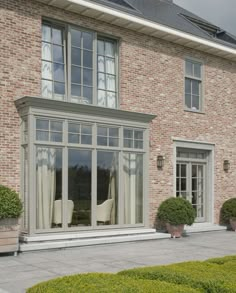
[228,210]
[176,211]
[107,283]
[205,276]
[10,203]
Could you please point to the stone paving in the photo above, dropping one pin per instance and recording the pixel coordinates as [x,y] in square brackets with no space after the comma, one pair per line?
[23,271]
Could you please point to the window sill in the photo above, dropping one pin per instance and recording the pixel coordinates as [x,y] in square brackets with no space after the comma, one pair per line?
[194,111]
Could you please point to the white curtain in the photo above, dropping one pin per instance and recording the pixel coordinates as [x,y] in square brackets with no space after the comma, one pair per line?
[112,190]
[45,186]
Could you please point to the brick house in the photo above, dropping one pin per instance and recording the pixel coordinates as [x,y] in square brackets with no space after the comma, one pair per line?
[110,107]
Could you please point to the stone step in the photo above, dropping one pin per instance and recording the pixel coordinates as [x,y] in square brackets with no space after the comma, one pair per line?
[67,243]
[204,227]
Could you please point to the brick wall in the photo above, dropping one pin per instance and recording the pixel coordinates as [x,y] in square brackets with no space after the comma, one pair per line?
[151,81]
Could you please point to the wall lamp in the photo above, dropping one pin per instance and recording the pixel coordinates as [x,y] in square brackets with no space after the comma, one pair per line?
[160,162]
[226,165]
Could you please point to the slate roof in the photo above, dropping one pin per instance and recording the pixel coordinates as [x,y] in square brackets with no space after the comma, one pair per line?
[169,14]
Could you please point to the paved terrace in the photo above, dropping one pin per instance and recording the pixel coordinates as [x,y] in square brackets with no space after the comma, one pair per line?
[25,270]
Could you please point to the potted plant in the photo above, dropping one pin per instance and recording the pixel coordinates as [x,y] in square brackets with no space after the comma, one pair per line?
[10,211]
[228,213]
[176,212]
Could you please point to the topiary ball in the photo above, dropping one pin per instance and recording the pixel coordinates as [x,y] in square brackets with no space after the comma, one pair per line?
[176,211]
[228,210]
[10,203]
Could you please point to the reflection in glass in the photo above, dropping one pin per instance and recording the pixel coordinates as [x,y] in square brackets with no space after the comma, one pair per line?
[79,185]
[107,188]
[133,188]
[48,187]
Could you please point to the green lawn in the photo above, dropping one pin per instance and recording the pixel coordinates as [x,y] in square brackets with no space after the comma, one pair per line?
[216,275]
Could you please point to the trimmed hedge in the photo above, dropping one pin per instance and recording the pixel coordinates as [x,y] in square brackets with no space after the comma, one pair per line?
[10,203]
[106,283]
[176,211]
[207,276]
[228,210]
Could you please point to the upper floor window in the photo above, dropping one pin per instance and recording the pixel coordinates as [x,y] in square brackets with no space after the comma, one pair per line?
[193,85]
[74,70]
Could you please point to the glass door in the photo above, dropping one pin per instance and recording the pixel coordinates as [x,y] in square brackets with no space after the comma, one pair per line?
[190,184]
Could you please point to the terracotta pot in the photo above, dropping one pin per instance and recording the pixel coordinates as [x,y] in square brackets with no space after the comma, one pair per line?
[233,224]
[9,235]
[175,231]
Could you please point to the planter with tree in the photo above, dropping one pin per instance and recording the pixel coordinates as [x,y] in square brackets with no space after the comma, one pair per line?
[10,211]
[176,212]
[228,213]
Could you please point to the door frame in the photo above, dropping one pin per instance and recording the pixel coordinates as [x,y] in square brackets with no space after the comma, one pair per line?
[210,149]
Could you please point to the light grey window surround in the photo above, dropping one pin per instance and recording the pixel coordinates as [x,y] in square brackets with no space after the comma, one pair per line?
[203,148]
[30,108]
[193,85]
[78,56]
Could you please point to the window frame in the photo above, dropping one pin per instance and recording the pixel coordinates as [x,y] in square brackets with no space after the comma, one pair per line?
[193,78]
[67,27]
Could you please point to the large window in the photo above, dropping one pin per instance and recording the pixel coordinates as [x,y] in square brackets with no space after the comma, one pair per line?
[193,85]
[74,70]
[85,174]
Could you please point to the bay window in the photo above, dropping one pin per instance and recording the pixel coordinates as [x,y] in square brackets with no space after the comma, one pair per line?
[78,66]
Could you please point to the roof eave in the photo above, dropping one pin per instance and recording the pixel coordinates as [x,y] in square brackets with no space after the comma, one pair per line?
[136,23]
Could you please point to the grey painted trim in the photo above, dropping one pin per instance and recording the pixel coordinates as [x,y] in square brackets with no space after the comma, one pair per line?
[89,110]
[199,145]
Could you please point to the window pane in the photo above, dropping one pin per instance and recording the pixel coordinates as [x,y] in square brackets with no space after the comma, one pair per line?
[75,90]
[88,59]
[101,64]
[47,51]
[75,38]
[188,101]
[110,82]
[56,126]
[138,134]
[195,87]
[42,135]
[48,198]
[110,65]
[79,186]
[114,132]
[59,72]
[107,188]
[58,54]
[59,88]
[138,144]
[56,136]
[72,127]
[197,70]
[102,131]
[46,33]
[87,41]
[86,129]
[57,36]
[86,139]
[74,138]
[101,98]
[46,70]
[113,142]
[42,124]
[101,81]
[189,68]
[195,103]
[111,100]
[102,140]
[187,86]
[88,77]
[47,89]
[110,49]
[133,188]
[128,133]
[75,74]
[128,143]
[88,94]
[76,56]
[101,49]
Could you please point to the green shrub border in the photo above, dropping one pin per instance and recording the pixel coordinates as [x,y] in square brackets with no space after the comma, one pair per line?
[10,203]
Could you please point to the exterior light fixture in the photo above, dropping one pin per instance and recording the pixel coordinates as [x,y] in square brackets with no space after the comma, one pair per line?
[160,162]
[226,165]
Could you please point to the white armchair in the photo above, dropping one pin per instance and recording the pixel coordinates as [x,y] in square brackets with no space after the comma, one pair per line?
[57,211]
[104,211]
